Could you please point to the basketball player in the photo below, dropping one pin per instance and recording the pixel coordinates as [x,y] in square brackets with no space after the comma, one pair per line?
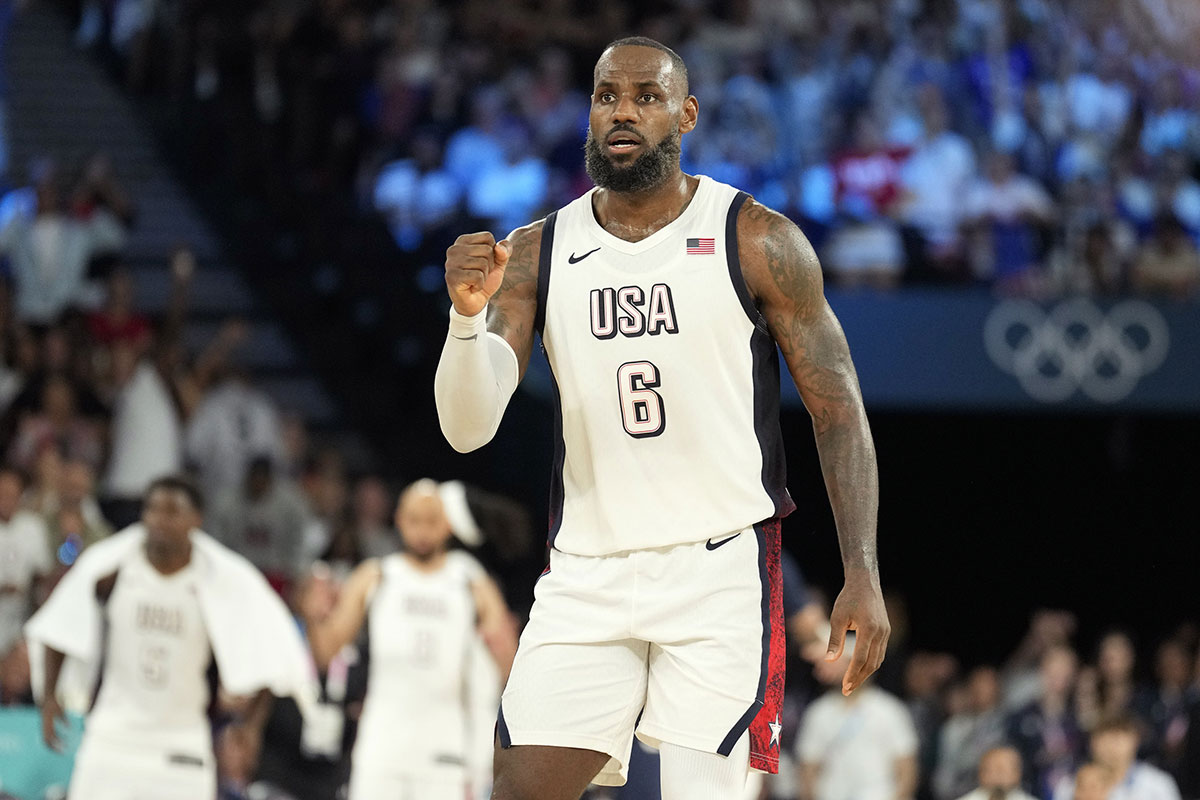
[660,298]
[173,601]
[423,608]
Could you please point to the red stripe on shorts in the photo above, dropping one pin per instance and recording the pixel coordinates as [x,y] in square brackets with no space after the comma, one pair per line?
[764,729]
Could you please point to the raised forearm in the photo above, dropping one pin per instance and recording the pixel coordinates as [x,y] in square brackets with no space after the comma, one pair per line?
[475,379]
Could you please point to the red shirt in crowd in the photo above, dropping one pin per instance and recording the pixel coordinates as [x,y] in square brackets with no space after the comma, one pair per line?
[873,174]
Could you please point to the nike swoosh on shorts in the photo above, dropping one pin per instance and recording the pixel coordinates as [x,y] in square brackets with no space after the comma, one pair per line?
[711,545]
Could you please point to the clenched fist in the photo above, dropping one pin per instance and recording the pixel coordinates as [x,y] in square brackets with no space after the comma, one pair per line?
[474,270]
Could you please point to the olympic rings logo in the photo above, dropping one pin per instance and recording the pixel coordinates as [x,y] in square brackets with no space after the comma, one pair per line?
[1076,346]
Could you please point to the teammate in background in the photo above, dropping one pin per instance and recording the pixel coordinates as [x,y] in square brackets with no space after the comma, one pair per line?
[172,602]
[660,298]
[423,608]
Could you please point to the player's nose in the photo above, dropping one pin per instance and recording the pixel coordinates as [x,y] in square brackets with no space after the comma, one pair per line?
[625,110]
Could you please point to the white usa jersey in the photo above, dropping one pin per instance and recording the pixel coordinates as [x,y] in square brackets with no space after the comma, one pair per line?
[422,631]
[154,692]
[666,381]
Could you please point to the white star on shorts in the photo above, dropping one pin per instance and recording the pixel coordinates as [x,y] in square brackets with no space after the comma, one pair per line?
[776,728]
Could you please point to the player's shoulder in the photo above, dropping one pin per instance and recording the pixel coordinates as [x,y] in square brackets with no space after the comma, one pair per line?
[466,564]
[777,260]
[527,238]
[761,229]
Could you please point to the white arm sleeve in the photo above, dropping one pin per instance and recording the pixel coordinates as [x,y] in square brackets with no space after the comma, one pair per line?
[476,377]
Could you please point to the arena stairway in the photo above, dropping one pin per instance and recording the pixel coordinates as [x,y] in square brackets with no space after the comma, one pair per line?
[63,104]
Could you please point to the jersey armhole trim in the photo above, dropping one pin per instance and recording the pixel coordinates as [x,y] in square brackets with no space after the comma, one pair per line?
[734,261]
[545,250]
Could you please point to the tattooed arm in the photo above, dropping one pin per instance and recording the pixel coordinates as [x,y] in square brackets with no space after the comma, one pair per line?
[512,308]
[784,277]
[493,287]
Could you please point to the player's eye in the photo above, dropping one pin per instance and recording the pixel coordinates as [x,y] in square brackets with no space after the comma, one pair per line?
[606,97]
[648,98]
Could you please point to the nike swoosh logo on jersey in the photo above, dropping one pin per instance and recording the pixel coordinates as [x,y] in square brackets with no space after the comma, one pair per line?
[711,545]
[575,260]
[470,338]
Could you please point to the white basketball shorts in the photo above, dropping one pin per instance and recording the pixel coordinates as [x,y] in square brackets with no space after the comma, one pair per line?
[107,770]
[679,644]
[376,784]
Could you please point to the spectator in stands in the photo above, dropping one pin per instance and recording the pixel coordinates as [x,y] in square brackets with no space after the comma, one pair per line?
[371,506]
[75,520]
[50,253]
[1093,781]
[1046,732]
[867,249]
[926,677]
[60,423]
[1169,707]
[1110,689]
[1007,212]
[1189,774]
[145,437]
[968,735]
[508,193]
[263,520]
[1115,743]
[24,557]
[416,194]
[99,189]
[935,177]
[233,424]
[999,776]
[1048,628]
[1168,263]
[1178,191]
[1094,263]
[857,747]
[117,322]
[477,149]
[41,496]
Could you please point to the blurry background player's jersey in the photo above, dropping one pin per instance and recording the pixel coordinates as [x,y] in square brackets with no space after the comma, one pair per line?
[422,631]
[667,382]
[155,690]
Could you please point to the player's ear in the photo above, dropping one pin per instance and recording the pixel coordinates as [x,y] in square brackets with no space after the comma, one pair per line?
[691,111]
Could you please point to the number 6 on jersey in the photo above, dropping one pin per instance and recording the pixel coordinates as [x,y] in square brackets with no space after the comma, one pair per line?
[641,407]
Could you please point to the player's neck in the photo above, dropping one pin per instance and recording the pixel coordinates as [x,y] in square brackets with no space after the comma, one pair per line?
[430,564]
[634,216]
[168,559]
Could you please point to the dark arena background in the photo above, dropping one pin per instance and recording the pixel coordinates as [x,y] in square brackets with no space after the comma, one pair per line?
[222,237]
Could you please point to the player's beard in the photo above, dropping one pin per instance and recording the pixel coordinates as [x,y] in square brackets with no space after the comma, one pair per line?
[652,168]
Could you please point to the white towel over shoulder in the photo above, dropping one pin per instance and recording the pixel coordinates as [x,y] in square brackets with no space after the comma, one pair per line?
[256,643]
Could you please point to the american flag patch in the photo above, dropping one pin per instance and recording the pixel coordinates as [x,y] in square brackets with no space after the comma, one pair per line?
[701,247]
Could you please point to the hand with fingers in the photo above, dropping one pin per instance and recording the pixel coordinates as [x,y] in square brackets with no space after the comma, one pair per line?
[52,715]
[474,270]
[859,607]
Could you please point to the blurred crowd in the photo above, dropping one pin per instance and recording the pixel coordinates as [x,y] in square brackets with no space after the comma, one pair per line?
[1042,146]
[1054,721]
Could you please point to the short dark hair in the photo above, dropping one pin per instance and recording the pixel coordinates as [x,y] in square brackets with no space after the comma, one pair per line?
[1120,722]
[15,471]
[178,483]
[680,68]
